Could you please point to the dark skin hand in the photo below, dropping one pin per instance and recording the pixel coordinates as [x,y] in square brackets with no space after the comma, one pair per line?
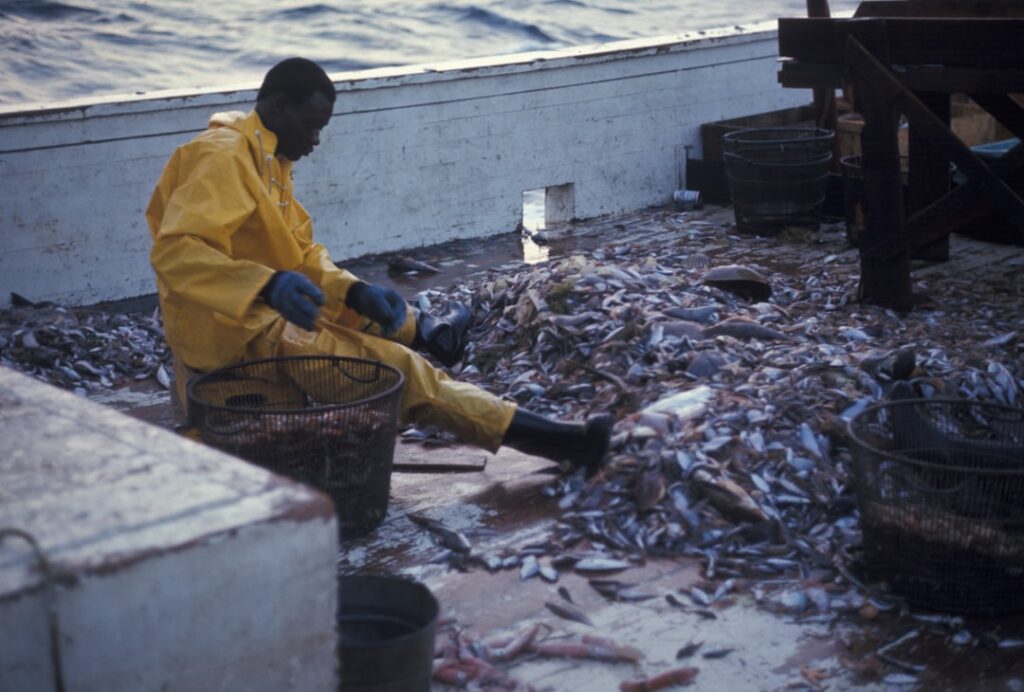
[297,125]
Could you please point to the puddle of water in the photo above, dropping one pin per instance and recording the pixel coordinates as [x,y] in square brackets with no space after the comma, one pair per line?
[534,253]
[533,221]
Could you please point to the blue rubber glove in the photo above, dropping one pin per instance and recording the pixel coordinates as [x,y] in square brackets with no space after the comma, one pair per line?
[382,305]
[294,296]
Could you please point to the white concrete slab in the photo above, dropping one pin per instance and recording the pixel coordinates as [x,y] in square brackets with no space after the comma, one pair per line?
[173,566]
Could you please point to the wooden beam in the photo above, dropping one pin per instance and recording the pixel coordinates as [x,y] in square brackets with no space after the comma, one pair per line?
[995,191]
[940,8]
[825,97]
[928,176]
[956,81]
[959,207]
[821,40]
[955,43]
[801,75]
[883,246]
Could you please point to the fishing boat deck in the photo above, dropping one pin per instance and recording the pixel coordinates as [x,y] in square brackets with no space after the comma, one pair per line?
[503,509]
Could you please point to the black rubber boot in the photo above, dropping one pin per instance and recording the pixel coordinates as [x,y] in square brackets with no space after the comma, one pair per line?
[582,445]
[443,336]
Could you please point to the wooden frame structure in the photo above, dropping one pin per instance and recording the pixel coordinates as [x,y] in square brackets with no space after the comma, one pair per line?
[905,58]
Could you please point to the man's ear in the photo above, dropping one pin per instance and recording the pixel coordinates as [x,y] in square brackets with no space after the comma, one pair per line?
[272,109]
[277,104]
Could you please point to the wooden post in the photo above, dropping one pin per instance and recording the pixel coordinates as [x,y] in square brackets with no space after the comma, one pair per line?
[929,173]
[825,115]
[884,251]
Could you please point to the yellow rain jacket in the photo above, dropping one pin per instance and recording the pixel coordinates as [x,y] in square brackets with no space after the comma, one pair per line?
[223,221]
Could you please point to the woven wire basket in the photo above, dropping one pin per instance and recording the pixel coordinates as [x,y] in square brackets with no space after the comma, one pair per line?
[940,485]
[326,421]
[777,176]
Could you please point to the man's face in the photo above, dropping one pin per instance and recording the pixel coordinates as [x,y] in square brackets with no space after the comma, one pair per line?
[298,125]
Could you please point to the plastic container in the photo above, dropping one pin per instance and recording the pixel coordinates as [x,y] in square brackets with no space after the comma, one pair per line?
[326,421]
[777,177]
[686,200]
[386,631]
[940,486]
[991,151]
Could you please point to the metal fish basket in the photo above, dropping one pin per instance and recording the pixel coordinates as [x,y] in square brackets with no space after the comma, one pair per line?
[940,486]
[326,421]
[777,176]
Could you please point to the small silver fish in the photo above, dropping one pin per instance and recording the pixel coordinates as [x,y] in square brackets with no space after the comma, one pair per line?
[809,441]
[404,263]
[548,574]
[688,650]
[739,328]
[569,612]
[600,564]
[699,596]
[530,568]
[899,679]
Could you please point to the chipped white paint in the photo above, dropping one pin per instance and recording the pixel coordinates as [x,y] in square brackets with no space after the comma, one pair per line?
[178,568]
[414,155]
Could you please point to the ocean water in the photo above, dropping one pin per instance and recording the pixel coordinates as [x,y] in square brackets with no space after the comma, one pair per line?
[53,50]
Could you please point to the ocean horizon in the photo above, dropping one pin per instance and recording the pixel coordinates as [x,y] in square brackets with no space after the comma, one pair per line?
[57,50]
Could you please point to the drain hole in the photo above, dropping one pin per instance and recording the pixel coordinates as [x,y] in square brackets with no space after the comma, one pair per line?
[533,210]
[534,238]
[544,210]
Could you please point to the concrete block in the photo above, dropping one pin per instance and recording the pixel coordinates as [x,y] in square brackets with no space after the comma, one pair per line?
[172,565]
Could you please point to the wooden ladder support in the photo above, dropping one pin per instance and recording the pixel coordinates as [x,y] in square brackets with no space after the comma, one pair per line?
[885,247]
[960,206]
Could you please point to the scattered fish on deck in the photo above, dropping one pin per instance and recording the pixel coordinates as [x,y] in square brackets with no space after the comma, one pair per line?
[452,540]
[569,612]
[688,650]
[661,681]
[741,466]
[405,264]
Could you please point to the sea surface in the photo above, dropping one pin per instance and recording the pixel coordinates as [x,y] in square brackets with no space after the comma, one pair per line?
[52,51]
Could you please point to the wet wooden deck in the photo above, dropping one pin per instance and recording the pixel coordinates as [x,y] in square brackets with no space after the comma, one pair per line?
[502,508]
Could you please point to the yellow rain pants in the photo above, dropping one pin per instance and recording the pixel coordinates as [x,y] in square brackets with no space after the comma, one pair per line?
[223,221]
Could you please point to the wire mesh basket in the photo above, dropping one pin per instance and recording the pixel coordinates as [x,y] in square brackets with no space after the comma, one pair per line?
[326,421]
[777,176]
[940,486]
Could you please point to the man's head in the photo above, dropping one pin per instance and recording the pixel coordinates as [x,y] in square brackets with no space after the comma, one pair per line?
[295,103]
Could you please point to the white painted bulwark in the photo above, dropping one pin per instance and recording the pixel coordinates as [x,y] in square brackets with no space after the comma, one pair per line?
[174,567]
[414,155]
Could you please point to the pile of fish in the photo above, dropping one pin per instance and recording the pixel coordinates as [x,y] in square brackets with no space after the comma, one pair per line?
[733,366]
[83,350]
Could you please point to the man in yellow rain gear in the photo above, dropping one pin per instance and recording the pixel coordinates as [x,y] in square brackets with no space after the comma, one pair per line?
[240,277]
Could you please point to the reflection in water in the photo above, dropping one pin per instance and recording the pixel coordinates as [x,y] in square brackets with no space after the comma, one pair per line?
[534,253]
[533,221]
